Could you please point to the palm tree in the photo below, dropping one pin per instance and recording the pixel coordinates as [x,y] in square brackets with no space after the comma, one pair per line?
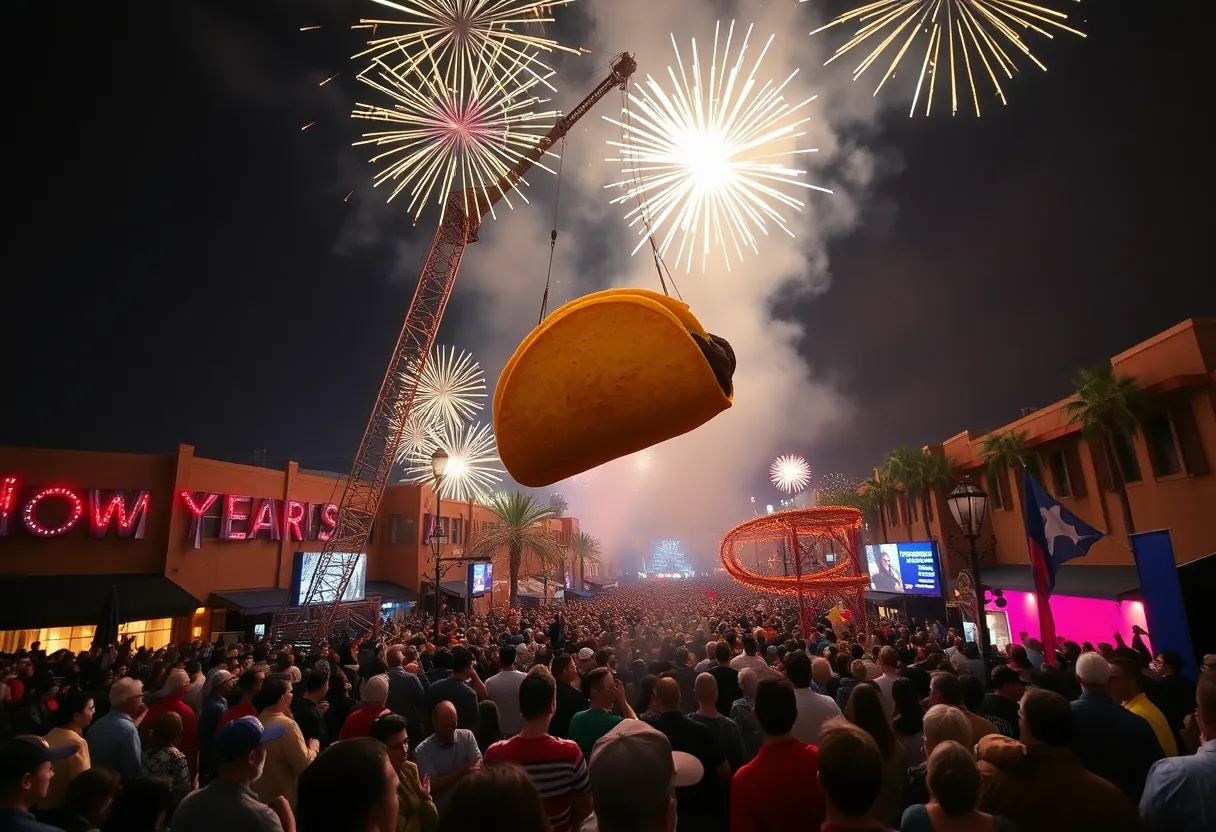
[1107,404]
[904,468]
[937,473]
[878,492]
[586,550]
[521,527]
[1004,452]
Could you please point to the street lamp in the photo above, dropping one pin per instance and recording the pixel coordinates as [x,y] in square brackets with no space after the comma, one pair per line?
[439,464]
[968,503]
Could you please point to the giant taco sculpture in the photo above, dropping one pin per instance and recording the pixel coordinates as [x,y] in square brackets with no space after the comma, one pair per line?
[605,376]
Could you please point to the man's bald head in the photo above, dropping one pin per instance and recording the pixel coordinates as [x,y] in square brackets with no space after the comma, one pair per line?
[444,720]
[706,689]
[668,694]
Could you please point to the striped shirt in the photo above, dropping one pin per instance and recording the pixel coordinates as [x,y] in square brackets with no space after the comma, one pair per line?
[555,766]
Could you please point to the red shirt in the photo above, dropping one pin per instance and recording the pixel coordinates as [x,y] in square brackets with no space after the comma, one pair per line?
[359,723]
[554,766]
[244,709]
[758,791]
[173,704]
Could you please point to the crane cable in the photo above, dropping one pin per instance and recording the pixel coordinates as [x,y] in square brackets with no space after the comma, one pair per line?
[557,200]
[639,191]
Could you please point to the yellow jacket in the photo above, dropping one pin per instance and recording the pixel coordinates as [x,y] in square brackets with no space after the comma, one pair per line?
[65,769]
[286,759]
[1142,707]
[417,810]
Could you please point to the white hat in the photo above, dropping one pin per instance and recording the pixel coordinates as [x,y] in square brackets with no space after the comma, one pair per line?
[1092,669]
[586,654]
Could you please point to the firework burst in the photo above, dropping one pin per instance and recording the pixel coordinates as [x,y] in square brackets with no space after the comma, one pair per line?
[465,38]
[443,138]
[969,40]
[790,473]
[417,437]
[708,158]
[473,467]
[451,387]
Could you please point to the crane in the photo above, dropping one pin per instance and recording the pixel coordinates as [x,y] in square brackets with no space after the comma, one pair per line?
[322,604]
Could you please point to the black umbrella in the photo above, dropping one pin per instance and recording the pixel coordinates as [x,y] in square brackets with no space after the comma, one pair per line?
[107,625]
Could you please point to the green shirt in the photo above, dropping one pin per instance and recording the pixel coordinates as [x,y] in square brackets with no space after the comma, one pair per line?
[586,727]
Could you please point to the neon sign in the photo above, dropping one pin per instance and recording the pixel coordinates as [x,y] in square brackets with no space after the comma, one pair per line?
[242,517]
[55,511]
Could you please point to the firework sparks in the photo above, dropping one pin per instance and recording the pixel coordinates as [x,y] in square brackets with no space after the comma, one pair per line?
[709,158]
[451,387]
[417,437]
[790,473]
[445,137]
[466,38]
[473,467]
[980,38]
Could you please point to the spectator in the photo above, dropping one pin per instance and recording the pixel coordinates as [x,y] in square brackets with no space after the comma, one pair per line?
[340,702]
[726,677]
[214,704]
[1180,794]
[586,727]
[375,697]
[857,675]
[228,802]
[570,698]
[850,774]
[814,709]
[866,710]
[25,775]
[556,767]
[945,689]
[942,724]
[308,708]
[634,774]
[1127,685]
[1017,777]
[1174,689]
[87,803]
[684,674]
[193,696]
[909,722]
[114,739]
[287,756]
[742,712]
[1001,705]
[164,760]
[351,787]
[784,766]
[1109,740]
[488,730]
[954,783]
[498,798]
[503,690]
[748,658]
[144,803]
[417,812]
[240,696]
[697,805]
[74,714]
[462,688]
[406,691]
[447,756]
[888,663]
[725,732]
[175,690]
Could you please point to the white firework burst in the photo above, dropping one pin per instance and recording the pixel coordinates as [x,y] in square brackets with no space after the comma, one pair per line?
[451,388]
[417,438]
[791,473]
[473,468]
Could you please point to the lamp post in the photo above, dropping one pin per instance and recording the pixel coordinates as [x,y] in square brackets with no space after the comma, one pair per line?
[968,503]
[439,464]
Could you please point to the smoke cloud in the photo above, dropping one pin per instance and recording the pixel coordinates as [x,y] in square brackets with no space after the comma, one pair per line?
[695,487]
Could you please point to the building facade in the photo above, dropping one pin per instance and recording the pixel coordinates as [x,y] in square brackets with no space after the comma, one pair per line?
[193,547]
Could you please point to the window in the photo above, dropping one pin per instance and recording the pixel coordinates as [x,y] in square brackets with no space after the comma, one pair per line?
[1162,446]
[1190,443]
[998,488]
[76,639]
[1125,457]
[1060,482]
[153,634]
[408,532]
[394,529]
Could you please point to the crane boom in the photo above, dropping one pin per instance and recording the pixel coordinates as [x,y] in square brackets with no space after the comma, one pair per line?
[322,604]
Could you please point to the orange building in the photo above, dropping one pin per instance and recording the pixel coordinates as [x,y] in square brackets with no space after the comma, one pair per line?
[195,547]
[1167,466]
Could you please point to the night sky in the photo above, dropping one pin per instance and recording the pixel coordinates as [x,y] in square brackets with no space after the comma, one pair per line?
[174,268]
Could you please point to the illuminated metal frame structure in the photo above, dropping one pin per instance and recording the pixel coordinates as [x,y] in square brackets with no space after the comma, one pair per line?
[806,531]
[322,607]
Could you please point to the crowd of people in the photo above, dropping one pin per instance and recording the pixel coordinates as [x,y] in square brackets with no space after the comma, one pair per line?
[695,706]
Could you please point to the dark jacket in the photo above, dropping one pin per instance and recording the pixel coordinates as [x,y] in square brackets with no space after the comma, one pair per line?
[1113,742]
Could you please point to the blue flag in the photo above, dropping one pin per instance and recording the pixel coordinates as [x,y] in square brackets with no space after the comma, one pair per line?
[1057,533]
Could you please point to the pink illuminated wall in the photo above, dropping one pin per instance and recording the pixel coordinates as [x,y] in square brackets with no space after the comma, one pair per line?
[1077,619]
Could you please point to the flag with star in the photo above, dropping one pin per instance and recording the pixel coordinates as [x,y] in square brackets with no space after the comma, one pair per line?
[1054,536]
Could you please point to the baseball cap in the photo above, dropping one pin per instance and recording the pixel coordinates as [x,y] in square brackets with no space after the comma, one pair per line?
[586,654]
[21,755]
[1093,669]
[239,737]
[633,770]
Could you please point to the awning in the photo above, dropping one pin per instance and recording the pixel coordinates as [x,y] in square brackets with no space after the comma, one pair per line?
[390,592]
[600,581]
[40,601]
[454,588]
[251,601]
[1113,583]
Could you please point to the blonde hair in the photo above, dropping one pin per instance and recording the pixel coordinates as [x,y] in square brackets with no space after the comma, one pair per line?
[945,723]
[953,778]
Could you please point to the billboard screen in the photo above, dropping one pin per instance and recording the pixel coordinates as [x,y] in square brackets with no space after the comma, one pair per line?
[481,579]
[904,568]
[304,566]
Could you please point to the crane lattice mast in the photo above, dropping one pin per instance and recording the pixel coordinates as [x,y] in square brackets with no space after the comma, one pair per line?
[322,604]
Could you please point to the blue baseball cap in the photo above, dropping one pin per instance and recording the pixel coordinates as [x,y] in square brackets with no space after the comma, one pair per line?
[236,739]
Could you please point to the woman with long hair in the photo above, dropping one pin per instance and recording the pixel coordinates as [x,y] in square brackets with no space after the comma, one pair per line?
[954,785]
[909,721]
[163,758]
[866,711]
[488,729]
